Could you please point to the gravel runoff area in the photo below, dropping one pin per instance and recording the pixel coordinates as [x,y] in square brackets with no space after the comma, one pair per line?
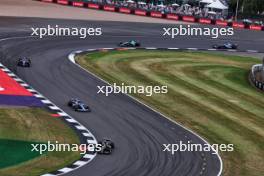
[31,8]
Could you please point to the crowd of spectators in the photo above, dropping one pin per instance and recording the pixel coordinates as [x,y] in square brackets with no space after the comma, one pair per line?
[184,9]
[196,10]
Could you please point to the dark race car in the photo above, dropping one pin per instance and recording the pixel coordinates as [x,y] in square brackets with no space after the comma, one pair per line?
[107,146]
[225,46]
[78,105]
[131,43]
[24,62]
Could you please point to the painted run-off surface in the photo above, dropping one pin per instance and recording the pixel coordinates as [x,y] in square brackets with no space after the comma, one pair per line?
[10,87]
[14,94]
[208,93]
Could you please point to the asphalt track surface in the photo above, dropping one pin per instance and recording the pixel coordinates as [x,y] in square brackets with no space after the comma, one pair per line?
[137,131]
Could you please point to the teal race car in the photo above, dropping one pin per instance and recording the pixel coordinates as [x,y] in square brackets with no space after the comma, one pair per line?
[131,43]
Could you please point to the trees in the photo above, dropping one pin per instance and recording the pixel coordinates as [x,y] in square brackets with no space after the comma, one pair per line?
[247,7]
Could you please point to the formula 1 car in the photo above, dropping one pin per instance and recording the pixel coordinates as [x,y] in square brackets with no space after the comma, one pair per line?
[78,105]
[226,46]
[24,62]
[131,43]
[107,146]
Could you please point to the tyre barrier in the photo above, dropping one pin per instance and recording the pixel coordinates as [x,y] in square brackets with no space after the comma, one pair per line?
[155,14]
[254,69]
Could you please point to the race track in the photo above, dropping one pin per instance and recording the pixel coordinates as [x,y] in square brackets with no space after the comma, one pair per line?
[137,131]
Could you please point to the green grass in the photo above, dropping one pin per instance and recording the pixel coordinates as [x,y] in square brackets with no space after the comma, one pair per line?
[21,127]
[14,152]
[208,93]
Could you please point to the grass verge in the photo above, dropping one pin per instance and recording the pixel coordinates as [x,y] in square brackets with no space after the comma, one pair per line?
[208,93]
[21,127]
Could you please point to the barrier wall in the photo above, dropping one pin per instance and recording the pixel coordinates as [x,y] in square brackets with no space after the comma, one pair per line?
[205,21]
[172,16]
[221,23]
[124,10]
[188,18]
[93,6]
[78,4]
[155,14]
[140,12]
[238,25]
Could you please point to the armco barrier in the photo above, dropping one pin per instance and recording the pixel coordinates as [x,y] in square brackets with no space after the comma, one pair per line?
[254,69]
[141,12]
